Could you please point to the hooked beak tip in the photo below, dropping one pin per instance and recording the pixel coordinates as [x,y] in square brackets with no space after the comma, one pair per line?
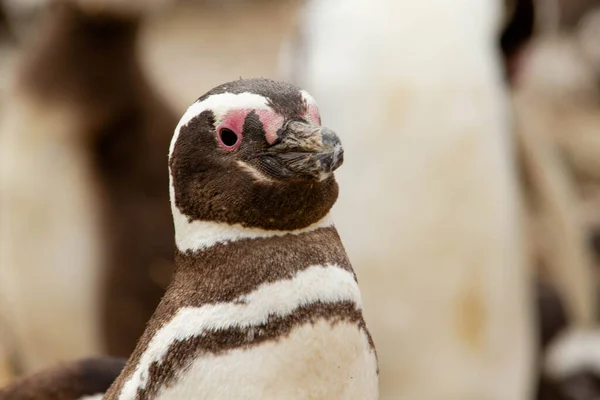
[308,150]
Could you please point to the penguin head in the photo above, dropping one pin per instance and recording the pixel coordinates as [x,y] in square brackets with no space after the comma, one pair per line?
[253,152]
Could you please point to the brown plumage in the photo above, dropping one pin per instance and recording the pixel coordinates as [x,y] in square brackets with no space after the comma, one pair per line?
[69,381]
[228,271]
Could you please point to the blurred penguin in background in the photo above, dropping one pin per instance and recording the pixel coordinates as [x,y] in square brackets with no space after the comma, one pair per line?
[81,153]
[7,49]
[430,210]
[87,240]
[7,44]
[556,97]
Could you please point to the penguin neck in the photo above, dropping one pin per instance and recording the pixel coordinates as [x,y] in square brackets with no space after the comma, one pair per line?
[246,287]
[198,235]
[226,261]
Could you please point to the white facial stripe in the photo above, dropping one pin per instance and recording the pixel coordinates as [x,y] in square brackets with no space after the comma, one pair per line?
[326,284]
[253,172]
[220,104]
[308,98]
[312,114]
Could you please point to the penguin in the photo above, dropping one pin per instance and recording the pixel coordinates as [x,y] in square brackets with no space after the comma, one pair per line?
[85,379]
[7,55]
[430,214]
[87,246]
[263,303]
[556,104]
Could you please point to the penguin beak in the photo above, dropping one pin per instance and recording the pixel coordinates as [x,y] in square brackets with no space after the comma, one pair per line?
[306,150]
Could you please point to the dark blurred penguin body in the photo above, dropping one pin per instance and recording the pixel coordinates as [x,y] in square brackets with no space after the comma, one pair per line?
[84,141]
[87,379]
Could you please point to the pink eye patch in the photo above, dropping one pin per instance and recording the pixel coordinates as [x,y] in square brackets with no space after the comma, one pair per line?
[229,131]
[271,122]
[312,115]
[234,121]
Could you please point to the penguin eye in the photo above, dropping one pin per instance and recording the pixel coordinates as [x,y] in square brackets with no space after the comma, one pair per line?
[228,138]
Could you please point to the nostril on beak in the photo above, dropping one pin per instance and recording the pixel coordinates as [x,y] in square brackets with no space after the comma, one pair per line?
[330,160]
[338,156]
[335,150]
